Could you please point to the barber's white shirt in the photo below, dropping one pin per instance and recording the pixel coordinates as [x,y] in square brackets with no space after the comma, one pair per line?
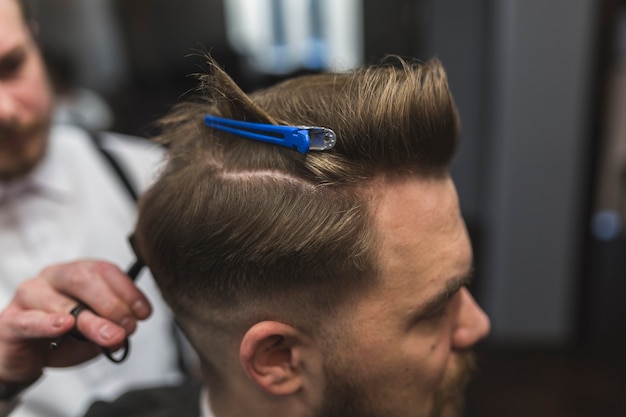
[72,206]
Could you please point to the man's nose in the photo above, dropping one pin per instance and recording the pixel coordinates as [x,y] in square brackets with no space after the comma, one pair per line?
[472,323]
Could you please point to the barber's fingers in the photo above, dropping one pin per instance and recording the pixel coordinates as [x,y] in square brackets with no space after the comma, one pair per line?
[125,289]
[38,294]
[103,287]
[25,343]
[99,330]
[16,326]
[100,285]
[37,300]
[22,347]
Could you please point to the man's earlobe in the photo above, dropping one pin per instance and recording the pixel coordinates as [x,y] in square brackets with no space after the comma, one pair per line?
[271,354]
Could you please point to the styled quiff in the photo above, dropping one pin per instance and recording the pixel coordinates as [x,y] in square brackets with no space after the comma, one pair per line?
[236,231]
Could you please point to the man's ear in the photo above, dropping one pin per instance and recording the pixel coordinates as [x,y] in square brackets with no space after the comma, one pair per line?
[273,355]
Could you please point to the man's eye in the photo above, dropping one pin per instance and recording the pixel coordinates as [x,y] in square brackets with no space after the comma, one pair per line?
[437,312]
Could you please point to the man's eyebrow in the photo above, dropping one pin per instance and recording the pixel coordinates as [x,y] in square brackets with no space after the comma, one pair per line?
[451,288]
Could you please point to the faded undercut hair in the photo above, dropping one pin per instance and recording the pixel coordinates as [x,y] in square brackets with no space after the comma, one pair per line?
[237,231]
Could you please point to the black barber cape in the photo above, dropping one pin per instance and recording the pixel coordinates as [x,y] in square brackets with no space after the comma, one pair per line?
[176,401]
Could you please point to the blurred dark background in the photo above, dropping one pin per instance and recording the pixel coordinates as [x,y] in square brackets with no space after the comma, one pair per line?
[541,172]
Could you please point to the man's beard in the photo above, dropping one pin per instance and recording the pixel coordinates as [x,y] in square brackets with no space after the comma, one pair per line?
[20,157]
[346,397]
[450,398]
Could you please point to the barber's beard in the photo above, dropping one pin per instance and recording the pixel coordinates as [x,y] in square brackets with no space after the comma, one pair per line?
[346,397]
[22,146]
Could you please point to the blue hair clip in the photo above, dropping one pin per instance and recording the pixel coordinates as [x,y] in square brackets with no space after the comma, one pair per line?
[300,138]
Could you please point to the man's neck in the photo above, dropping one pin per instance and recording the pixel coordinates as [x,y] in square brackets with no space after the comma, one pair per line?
[246,403]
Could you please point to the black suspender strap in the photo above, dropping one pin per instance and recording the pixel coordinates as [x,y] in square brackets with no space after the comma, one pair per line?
[114,164]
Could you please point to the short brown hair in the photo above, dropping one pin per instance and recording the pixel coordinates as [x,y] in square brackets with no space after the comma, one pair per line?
[237,231]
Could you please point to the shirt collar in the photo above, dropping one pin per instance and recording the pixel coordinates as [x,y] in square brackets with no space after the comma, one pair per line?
[205,409]
[49,178]
[13,188]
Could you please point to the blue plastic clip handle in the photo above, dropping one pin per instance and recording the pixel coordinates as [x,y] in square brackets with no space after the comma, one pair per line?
[301,138]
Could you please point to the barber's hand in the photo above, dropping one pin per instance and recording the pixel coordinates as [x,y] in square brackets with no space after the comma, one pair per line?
[40,312]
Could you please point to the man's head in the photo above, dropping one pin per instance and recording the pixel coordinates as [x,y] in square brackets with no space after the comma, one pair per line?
[323,284]
[25,95]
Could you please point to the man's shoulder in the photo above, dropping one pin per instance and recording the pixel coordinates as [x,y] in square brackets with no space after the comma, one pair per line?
[171,401]
[126,145]
[132,146]
[140,158]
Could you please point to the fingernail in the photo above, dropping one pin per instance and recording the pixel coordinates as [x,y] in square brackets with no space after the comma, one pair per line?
[127,324]
[106,332]
[141,309]
[59,321]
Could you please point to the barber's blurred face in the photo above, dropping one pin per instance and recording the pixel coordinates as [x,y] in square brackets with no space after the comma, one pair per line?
[404,349]
[25,96]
